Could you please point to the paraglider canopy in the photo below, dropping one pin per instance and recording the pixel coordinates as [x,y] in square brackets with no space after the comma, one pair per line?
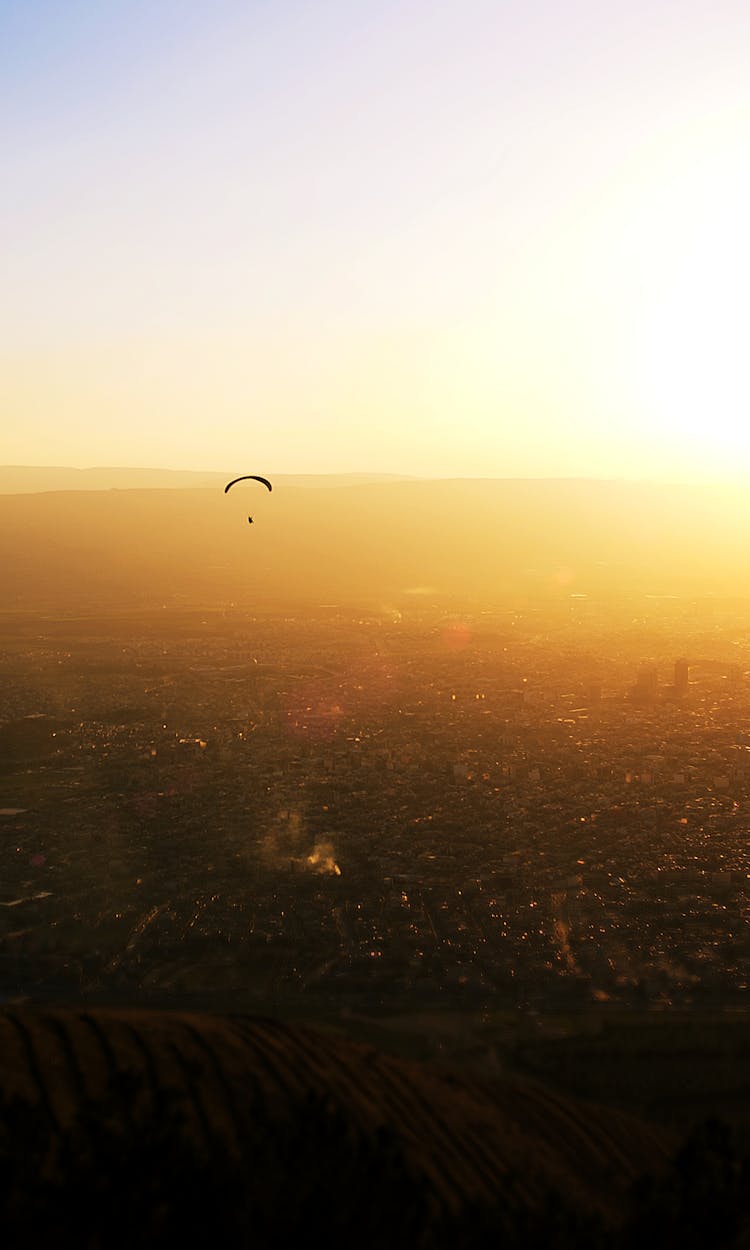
[249,477]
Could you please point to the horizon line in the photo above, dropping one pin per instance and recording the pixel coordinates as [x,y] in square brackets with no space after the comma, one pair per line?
[390,474]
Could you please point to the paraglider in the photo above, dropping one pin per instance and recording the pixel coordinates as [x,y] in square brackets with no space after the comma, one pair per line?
[248,477]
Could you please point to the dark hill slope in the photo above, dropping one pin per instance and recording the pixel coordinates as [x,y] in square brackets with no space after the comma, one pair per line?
[289,1127]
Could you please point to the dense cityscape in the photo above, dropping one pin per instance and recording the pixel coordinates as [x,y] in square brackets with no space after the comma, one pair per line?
[536,807]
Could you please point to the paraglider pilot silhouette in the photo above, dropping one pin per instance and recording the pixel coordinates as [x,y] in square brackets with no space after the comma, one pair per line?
[249,477]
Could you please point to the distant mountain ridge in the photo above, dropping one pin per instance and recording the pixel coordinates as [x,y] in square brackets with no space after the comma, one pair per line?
[34,479]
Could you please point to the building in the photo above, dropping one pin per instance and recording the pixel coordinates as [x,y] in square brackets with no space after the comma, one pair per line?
[646,684]
[681,677]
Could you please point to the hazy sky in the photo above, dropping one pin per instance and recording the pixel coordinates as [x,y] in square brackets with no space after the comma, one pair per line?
[464,238]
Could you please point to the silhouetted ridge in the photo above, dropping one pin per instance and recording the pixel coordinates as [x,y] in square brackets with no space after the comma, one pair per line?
[288,1117]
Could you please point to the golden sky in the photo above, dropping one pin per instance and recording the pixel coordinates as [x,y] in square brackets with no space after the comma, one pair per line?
[475,239]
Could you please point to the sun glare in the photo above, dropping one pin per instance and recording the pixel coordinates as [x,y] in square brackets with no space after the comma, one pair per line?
[691,370]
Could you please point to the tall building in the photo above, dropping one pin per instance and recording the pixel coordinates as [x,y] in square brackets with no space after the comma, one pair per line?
[681,677]
[646,684]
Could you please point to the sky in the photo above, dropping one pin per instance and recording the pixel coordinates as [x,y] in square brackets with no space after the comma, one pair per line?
[469,238]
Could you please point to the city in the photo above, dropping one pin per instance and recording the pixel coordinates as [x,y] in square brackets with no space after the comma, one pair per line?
[532,808]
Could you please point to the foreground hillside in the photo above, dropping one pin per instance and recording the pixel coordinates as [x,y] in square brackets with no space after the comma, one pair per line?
[118,1119]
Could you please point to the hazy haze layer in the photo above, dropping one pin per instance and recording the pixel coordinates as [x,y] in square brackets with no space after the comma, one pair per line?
[379,544]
